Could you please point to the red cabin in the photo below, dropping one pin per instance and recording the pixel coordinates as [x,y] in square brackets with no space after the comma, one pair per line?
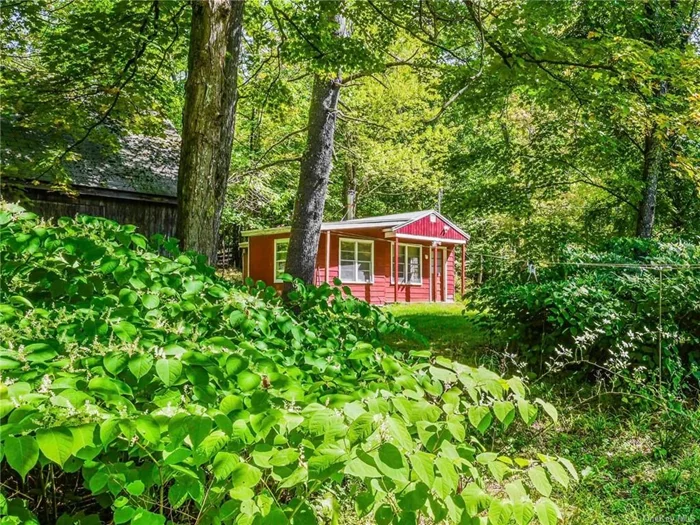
[365,254]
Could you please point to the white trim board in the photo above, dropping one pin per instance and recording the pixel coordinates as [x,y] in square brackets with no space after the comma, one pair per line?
[393,235]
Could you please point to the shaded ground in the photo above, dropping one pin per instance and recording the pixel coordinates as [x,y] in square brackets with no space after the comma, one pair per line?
[639,464]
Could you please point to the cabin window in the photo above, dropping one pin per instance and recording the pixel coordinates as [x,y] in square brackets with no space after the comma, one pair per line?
[410,256]
[356,261]
[281,248]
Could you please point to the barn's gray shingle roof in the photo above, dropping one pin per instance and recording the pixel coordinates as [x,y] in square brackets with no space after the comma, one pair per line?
[142,164]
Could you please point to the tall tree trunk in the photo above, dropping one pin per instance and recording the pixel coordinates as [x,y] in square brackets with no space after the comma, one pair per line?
[350,190]
[208,122]
[315,171]
[651,168]
[656,160]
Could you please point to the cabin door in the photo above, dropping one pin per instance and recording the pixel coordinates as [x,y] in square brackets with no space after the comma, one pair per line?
[439,283]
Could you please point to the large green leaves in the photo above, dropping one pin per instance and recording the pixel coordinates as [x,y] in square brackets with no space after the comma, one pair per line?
[168,370]
[55,443]
[22,453]
[229,399]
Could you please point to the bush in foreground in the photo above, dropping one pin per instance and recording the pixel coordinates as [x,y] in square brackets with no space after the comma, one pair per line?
[602,307]
[140,388]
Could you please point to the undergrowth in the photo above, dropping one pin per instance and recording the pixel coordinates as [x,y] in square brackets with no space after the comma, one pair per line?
[138,387]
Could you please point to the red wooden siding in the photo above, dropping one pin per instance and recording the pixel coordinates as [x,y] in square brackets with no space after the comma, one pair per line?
[426,228]
[261,252]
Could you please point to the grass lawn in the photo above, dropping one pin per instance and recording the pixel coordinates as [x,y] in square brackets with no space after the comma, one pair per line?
[639,465]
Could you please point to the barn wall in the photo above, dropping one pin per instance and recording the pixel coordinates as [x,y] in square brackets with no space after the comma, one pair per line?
[149,217]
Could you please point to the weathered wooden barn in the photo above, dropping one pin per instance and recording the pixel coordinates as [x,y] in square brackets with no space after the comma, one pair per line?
[365,254]
[132,183]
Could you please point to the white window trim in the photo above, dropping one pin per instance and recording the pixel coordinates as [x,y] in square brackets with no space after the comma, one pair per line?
[356,241]
[420,266]
[274,259]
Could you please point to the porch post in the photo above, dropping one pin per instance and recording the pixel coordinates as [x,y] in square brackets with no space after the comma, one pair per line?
[328,256]
[396,269]
[464,258]
[435,268]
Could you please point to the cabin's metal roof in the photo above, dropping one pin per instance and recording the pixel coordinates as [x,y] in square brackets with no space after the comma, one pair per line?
[381,221]
[139,164]
[393,222]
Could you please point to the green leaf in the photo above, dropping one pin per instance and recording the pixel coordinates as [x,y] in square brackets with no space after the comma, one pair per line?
[149,428]
[505,412]
[363,466]
[499,470]
[231,403]
[109,430]
[448,474]
[480,417]
[500,512]
[539,479]
[523,511]
[140,364]
[224,464]
[136,488]
[390,462]
[144,517]
[570,467]
[361,428]
[547,511]
[83,436]
[424,466]
[528,411]
[399,433]
[516,385]
[248,380]
[124,514]
[169,370]
[109,264]
[125,331]
[558,473]
[22,453]
[245,475]
[115,362]
[549,409]
[55,443]
[150,301]
[361,351]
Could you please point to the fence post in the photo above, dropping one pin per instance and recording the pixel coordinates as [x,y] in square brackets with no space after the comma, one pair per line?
[661,278]
[481,268]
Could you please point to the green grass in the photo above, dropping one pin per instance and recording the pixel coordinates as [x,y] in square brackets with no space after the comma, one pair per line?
[639,465]
[447,328]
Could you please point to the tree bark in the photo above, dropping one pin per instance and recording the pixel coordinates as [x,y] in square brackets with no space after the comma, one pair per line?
[650,175]
[350,190]
[315,171]
[208,122]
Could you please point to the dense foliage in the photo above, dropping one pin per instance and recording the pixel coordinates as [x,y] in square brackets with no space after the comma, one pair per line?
[74,70]
[604,306]
[140,388]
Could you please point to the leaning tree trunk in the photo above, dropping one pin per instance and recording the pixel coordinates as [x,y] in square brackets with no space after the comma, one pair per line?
[208,122]
[315,171]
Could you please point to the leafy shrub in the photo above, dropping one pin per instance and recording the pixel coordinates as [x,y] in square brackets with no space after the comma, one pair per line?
[140,388]
[608,315]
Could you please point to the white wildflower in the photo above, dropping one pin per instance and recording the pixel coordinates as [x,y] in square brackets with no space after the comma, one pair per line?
[45,385]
